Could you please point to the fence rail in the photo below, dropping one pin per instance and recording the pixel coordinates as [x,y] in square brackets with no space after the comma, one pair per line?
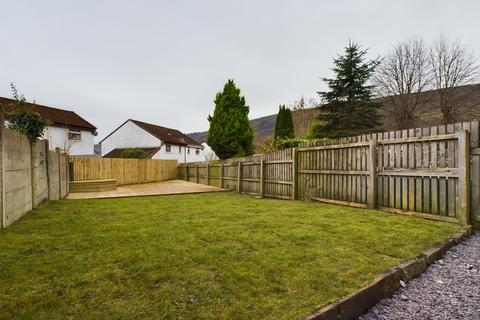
[125,171]
[432,172]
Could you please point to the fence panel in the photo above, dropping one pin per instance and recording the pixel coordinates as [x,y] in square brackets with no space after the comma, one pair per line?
[125,171]
[432,172]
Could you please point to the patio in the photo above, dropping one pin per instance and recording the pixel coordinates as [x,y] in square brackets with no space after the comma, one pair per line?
[148,189]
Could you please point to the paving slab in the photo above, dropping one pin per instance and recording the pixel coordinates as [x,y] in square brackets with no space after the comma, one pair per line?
[148,189]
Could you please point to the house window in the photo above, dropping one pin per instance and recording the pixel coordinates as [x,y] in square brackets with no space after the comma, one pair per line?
[74,136]
[197,152]
[168,148]
[180,149]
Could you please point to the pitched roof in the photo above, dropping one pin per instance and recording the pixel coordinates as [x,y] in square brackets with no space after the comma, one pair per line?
[58,117]
[117,153]
[167,135]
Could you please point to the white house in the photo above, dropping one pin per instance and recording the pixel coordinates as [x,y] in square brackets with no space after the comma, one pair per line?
[158,142]
[65,130]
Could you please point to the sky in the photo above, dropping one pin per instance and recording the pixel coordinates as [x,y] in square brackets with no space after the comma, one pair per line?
[164,61]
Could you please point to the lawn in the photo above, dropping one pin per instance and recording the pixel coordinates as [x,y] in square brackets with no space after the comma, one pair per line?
[207,256]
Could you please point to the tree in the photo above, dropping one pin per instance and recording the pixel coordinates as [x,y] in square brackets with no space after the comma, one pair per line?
[401,77]
[348,108]
[230,133]
[284,124]
[316,130]
[303,114]
[134,153]
[452,66]
[23,120]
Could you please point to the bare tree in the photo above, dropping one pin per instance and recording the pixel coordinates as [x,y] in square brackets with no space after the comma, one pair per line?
[453,65]
[400,78]
[303,114]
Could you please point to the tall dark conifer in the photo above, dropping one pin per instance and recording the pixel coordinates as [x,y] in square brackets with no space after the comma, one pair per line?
[230,133]
[284,124]
[348,108]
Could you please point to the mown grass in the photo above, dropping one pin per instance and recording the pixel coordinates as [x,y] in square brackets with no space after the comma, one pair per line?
[208,256]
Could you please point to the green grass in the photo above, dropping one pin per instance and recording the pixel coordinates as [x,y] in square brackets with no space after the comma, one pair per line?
[208,256]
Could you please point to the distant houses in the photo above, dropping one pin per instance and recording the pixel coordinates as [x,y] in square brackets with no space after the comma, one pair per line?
[66,129]
[155,141]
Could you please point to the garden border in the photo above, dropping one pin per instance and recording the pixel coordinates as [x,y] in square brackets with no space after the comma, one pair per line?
[357,303]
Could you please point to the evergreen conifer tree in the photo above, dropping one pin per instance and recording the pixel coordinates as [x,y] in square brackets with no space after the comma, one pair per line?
[230,133]
[348,108]
[284,124]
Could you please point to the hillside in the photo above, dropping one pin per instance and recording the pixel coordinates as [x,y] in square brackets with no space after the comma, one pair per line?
[264,127]
[428,113]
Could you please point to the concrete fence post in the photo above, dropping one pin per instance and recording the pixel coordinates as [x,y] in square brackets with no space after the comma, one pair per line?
[46,168]
[59,158]
[33,180]
[2,192]
[464,204]
[67,174]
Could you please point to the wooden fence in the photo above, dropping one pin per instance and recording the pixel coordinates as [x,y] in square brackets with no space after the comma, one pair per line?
[432,172]
[125,171]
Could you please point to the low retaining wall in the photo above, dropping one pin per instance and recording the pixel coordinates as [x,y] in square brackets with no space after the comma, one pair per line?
[385,284]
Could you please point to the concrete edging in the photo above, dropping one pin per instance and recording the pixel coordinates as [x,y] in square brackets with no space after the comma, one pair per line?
[357,303]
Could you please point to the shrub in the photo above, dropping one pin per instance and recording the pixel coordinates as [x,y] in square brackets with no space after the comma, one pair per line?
[134,153]
[317,130]
[26,122]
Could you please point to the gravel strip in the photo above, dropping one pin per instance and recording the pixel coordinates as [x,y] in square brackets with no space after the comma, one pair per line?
[448,289]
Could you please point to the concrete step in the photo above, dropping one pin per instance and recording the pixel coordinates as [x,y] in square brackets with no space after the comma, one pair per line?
[93,185]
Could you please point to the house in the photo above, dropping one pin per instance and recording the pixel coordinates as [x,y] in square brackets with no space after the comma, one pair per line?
[157,142]
[65,129]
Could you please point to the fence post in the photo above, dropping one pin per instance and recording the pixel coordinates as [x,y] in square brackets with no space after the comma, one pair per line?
[186,172]
[196,173]
[221,174]
[33,180]
[262,177]
[208,173]
[294,173]
[59,158]
[67,177]
[239,181]
[372,173]
[464,204]
[2,195]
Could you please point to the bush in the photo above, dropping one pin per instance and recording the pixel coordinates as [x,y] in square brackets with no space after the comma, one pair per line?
[25,121]
[134,154]
[289,143]
[317,130]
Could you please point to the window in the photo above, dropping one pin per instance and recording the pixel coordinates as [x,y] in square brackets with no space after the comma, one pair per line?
[74,136]
[180,149]
[168,148]
[197,152]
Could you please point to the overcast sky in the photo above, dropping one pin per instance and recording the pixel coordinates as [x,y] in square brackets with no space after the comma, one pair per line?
[163,61]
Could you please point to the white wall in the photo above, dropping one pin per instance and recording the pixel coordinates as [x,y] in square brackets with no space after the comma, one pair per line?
[58,137]
[181,157]
[129,136]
